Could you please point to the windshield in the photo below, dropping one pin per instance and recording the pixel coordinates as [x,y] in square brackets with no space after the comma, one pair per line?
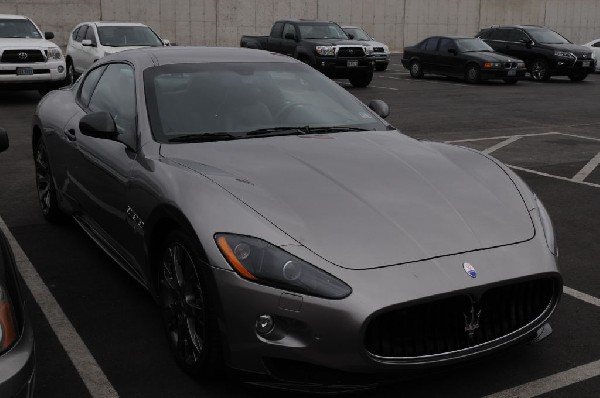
[322,31]
[470,45]
[547,37]
[359,34]
[232,99]
[125,36]
[18,28]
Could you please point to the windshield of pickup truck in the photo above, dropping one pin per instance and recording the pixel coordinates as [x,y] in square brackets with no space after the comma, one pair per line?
[248,100]
[358,34]
[18,29]
[546,36]
[126,36]
[321,31]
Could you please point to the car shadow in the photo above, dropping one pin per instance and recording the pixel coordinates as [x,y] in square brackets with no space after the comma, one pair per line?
[17,97]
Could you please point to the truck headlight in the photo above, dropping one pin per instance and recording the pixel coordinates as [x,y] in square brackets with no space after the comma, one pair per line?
[327,51]
[258,261]
[368,50]
[54,53]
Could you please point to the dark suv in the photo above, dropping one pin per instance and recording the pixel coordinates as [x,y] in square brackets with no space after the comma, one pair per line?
[545,52]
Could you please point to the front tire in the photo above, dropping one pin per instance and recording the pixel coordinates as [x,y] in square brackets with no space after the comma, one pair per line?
[187,307]
[45,185]
[71,74]
[362,79]
[473,74]
[540,71]
[578,77]
[416,70]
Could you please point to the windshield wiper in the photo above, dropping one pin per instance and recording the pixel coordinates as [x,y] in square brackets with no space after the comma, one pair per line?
[204,137]
[274,131]
[334,129]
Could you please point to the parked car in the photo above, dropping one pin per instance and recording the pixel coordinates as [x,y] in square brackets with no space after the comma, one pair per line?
[463,57]
[267,209]
[17,347]
[28,59]
[594,45]
[545,52]
[90,41]
[381,52]
[323,45]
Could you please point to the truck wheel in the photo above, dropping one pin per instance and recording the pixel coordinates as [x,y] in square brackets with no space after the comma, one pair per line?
[540,71]
[578,77]
[362,79]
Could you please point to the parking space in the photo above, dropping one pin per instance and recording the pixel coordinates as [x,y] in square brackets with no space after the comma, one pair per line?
[548,133]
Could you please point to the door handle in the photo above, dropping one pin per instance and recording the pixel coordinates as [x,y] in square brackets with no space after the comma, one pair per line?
[70,133]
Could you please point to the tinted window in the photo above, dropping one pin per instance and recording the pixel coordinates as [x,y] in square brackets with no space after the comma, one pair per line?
[18,28]
[124,36]
[321,31]
[358,34]
[517,35]
[74,35]
[277,29]
[431,44]
[289,29]
[597,44]
[485,34]
[115,94]
[89,84]
[499,34]
[90,35]
[446,44]
[81,33]
[547,36]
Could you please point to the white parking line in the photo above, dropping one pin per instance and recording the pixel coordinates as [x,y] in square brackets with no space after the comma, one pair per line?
[590,184]
[551,383]
[502,144]
[500,137]
[90,372]
[387,88]
[587,169]
[582,296]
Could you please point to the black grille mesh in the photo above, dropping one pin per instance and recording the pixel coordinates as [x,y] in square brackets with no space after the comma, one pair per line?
[438,327]
[13,56]
[351,52]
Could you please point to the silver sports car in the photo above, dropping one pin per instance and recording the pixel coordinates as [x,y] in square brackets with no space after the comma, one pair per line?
[285,228]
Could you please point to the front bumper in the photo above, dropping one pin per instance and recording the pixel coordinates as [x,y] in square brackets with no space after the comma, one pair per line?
[341,68]
[17,366]
[330,334]
[568,66]
[381,58]
[44,73]
[503,73]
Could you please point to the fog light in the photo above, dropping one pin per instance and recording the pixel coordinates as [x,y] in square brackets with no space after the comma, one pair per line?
[264,324]
[61,69]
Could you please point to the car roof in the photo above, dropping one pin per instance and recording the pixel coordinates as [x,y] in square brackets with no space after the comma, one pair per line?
[151,56]
[351,27]
[450,37]
[10,16]
[300,21]
[114,23]
[516,26]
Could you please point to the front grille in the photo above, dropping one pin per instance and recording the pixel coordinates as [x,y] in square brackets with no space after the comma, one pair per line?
[510,65]
[378,49]
[438,327]
[22,56]
[351,52]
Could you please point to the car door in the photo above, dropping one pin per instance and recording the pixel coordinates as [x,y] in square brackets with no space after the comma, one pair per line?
[274,39]
[449,63]
[497,39]
[288,46]
[78,50]
[90,54]
[516,46]
[105,165]
[429,55]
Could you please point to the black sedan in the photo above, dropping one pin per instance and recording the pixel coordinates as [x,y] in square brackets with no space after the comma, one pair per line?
[17,358]
[461,57]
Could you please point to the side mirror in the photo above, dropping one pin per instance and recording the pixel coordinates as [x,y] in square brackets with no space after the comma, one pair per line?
[290,36]
[3,140]
[350,36]
[166,42]
[98,125]
[528,42]
[453,51]
[88,43]
[49,35]
[380,108]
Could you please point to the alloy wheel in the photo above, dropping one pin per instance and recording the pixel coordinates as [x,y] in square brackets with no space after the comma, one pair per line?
[539,71]
[43,178]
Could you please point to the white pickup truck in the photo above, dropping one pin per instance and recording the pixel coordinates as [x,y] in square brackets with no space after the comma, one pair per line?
[28,60]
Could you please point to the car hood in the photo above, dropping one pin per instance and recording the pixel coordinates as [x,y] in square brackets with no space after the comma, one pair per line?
[113,50]
[333,42]
[25,44]
[492,56]
[367,199]
[568,47]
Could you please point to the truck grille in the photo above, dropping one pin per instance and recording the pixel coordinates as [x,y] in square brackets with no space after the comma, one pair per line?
[438,327]
[22,56]
[351,52]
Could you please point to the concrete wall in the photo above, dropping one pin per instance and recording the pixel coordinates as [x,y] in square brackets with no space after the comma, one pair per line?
[396,22]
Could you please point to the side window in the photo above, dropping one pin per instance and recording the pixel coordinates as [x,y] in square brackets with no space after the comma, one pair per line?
[89,84]
[422,45]
[81,33]
[485,35]
[115,94]
[277,29]
[432,44]
[517,35]
[445,45]
[500,34]
[596,44]
[74,34]
[289,28]
[90,35]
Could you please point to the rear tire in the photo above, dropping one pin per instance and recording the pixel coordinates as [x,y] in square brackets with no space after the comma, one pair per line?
[362,79]
[473,74]
[416,70]
[187,306]
[578,77]
[71,74]
[539,71]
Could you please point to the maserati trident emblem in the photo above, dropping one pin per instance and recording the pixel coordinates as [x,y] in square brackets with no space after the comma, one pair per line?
[472,324]
[470,270]
[22,55]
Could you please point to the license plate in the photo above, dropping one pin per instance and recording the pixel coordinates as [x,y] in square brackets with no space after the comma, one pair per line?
[512,72]
[585,64]
[24,71]
[352,64]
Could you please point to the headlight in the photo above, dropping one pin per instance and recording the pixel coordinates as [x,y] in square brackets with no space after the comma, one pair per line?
[563,54]
[489,65]
[261,262]
[546,226]
[386,49]
[327,51]
[54,53]
[368,50]
[8,330]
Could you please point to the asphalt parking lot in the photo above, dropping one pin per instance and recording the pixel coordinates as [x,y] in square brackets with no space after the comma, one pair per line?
[86,307]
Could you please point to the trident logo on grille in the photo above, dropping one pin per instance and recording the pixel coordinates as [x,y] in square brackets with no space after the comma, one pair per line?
[471,325]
